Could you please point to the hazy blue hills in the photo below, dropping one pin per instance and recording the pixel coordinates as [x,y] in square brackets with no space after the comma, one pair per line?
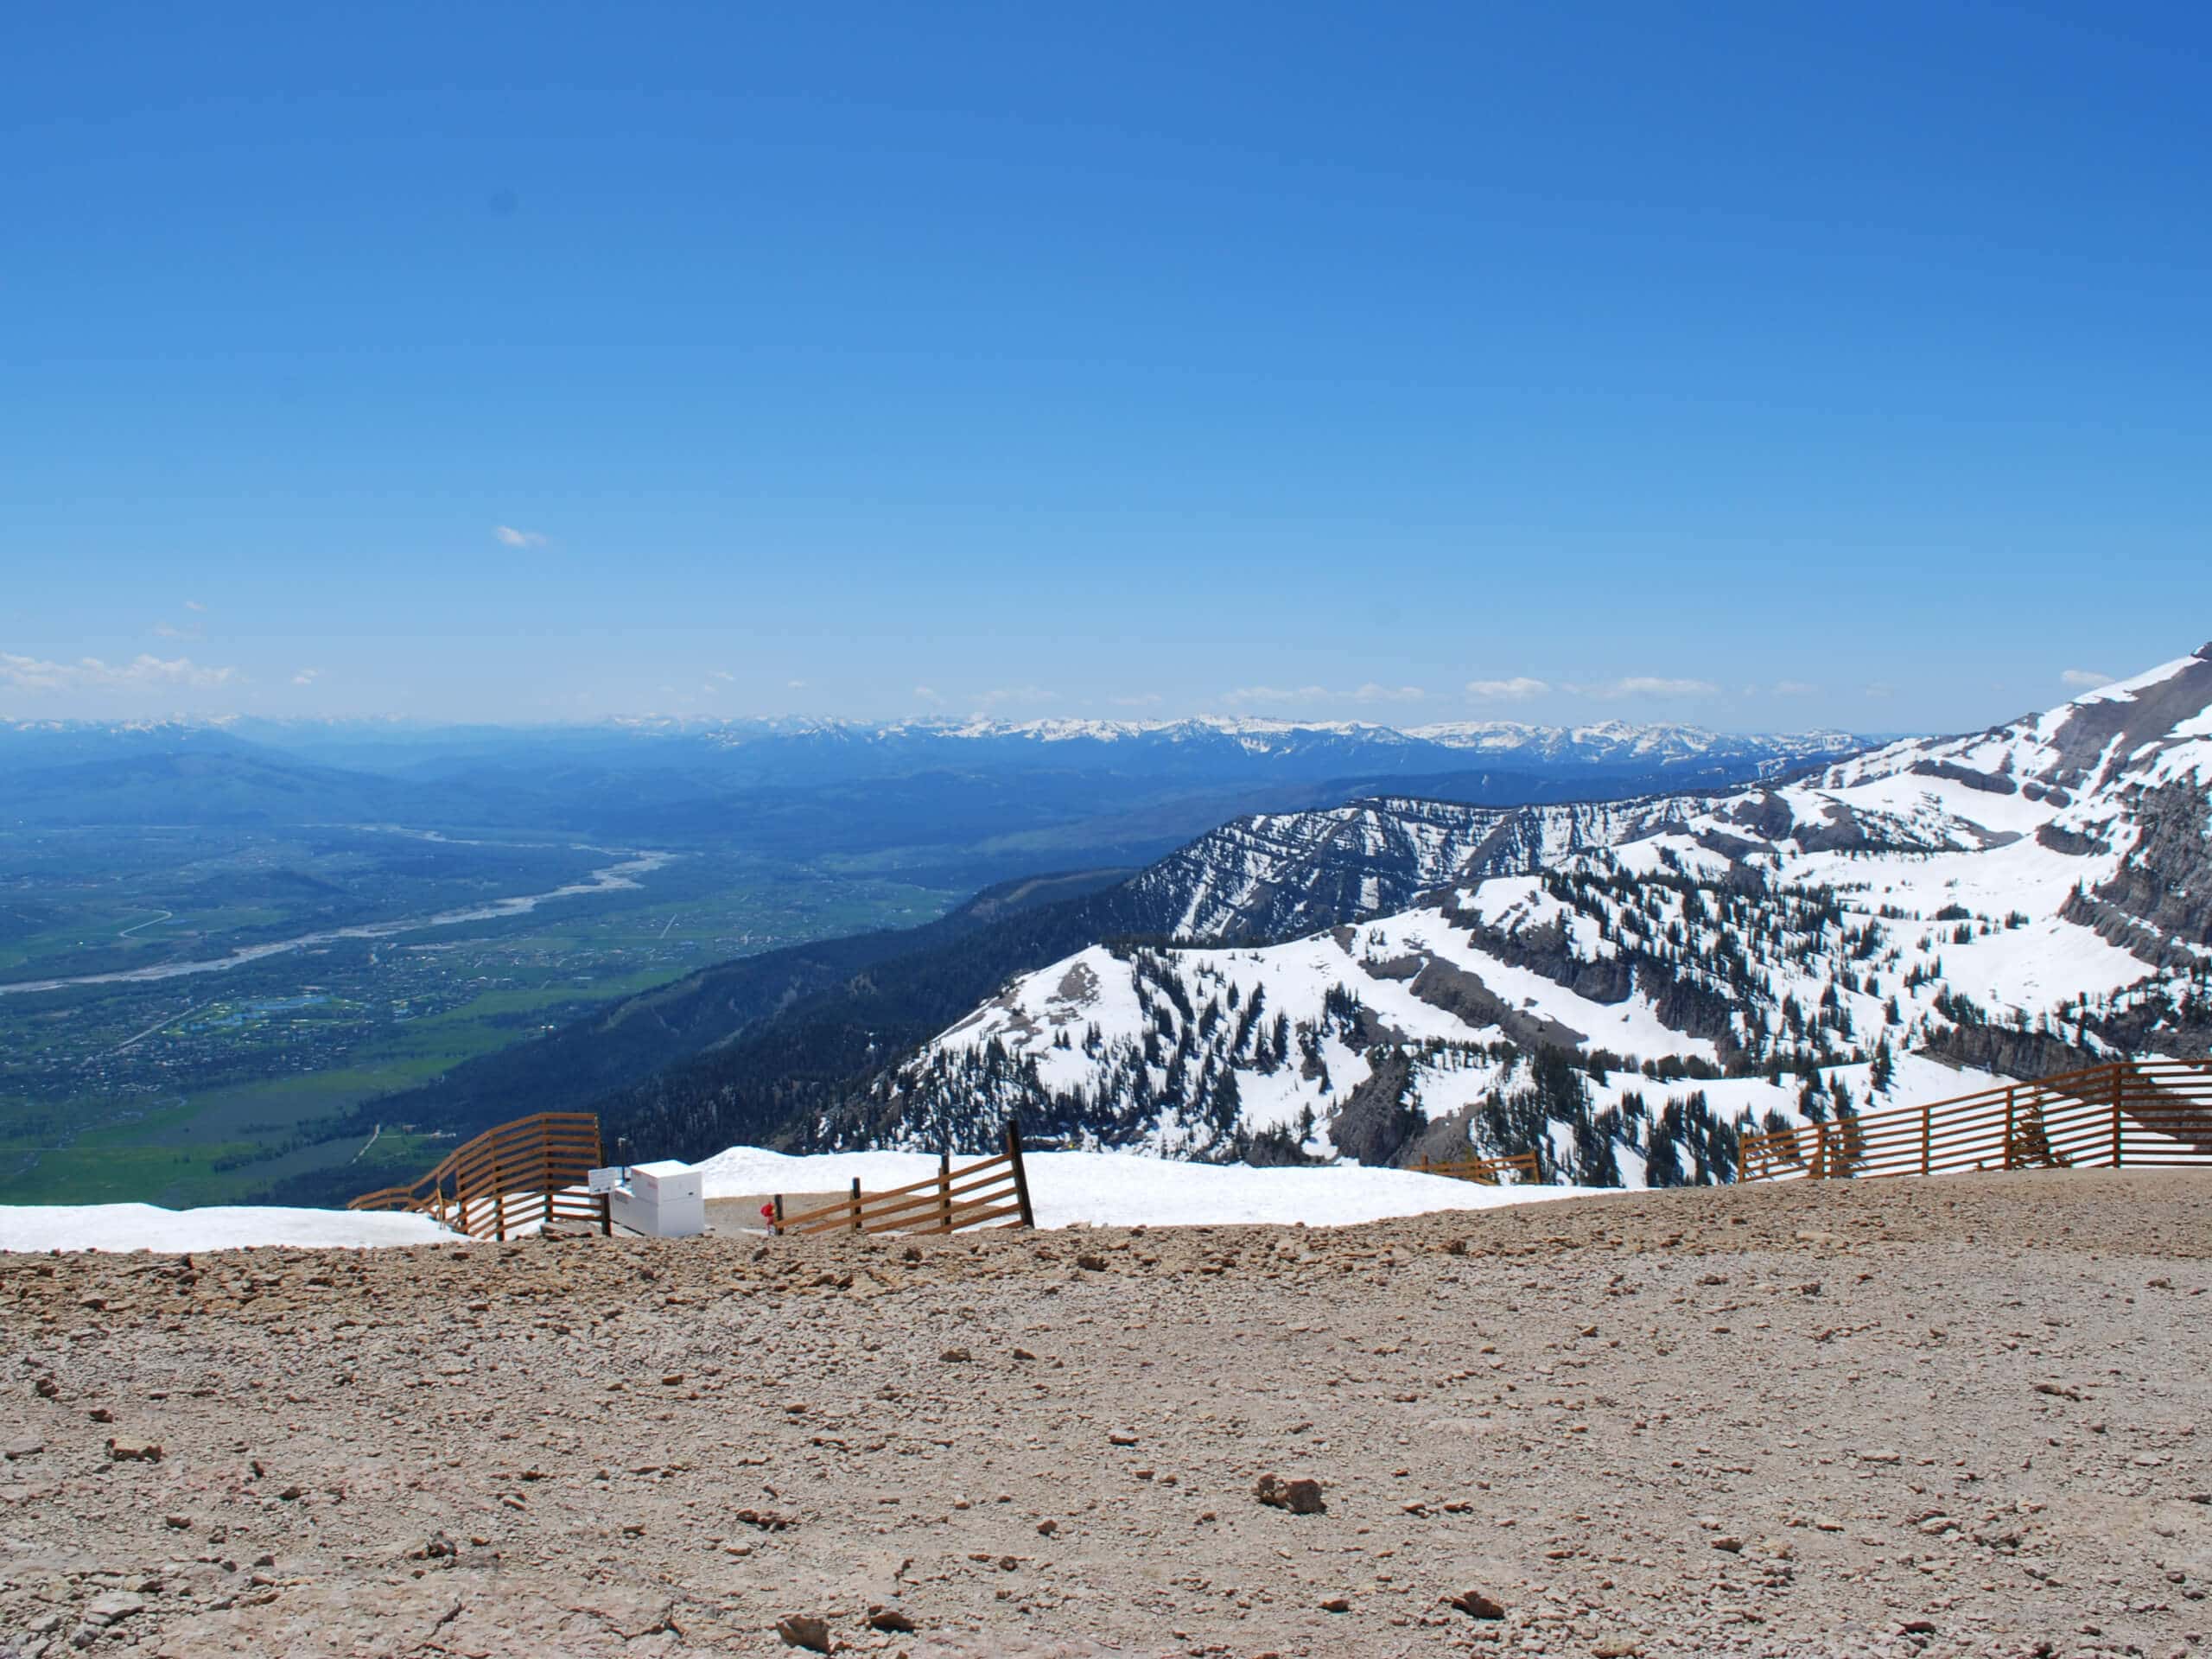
[1041,792]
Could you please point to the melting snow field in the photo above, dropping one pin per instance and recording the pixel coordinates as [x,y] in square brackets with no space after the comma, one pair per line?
[1070,1189]
[145,1227]
[1120,1189]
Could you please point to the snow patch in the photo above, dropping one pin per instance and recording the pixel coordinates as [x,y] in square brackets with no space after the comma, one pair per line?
[1114,1189]
[148,1227]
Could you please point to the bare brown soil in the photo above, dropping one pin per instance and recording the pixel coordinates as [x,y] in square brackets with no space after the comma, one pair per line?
[1953,1416]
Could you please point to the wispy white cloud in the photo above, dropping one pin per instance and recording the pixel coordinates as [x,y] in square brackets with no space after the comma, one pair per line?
[1519,689]
[1145,700]
[34,674]
[1794,688]
[721,674]
[795,685]
[307,677]
[193,605]
[2084,679]
[1646,686]
[1245,693]
[1881,688]
[1373,693]
[508,536]
[170,631]
[927,694]
[1006,694]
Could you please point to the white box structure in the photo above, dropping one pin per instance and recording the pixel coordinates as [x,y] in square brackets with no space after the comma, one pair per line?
[660,1200]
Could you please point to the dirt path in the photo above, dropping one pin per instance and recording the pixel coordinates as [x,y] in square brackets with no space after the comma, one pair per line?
[1944,1417]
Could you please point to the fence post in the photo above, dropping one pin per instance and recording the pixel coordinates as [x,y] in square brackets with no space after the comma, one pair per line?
[498,1196]
[1021,1172]
[2119,1093]
[2010,1130]
[857,1204]
[1927,1134]
[545,1168]
[778,1228]
[606,1200]
[944,1190]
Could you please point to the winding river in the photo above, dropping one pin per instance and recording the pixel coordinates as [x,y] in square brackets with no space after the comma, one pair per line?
[609,880]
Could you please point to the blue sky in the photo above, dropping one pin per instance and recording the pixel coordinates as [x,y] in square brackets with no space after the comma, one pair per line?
[1763,366]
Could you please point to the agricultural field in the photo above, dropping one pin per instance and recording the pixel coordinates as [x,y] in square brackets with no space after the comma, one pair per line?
[359,962]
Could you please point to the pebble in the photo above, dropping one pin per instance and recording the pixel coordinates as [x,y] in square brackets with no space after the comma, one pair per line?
[1300,1496]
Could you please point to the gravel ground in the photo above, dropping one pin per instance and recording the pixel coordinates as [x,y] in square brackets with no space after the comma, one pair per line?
[1953,1416]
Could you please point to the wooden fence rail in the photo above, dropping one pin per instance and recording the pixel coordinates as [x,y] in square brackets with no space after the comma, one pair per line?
[2135,1114]
[1491,1172]
[533,1169]
[994,1191]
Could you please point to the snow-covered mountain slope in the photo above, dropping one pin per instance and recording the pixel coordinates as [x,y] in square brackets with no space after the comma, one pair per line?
[1624,985]
[1280,874]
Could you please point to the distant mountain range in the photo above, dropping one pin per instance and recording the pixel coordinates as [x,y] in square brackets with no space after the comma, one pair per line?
[980,799]
[801,749]
[1610,743]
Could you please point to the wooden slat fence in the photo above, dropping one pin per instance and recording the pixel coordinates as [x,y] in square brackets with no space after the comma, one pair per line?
[533,1169]
[1491,1172]
[2135,1114]
[994,1192]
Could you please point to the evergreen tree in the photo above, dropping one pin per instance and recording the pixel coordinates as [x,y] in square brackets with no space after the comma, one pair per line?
[1594,1162]
[1662,1161]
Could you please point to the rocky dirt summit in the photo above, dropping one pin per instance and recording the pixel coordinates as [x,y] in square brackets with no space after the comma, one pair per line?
[1917,1417]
